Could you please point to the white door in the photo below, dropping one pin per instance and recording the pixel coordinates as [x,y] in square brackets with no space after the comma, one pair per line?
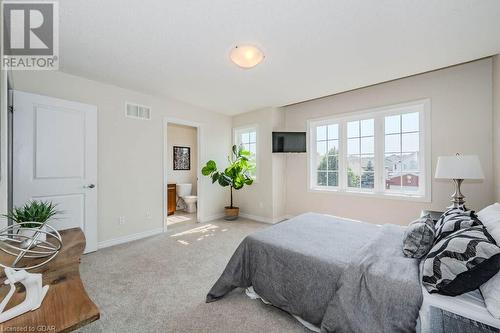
[55,159]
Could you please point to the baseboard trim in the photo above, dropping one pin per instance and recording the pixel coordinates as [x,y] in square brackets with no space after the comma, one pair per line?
[129,238]
[212,217]
[157,231]
[256,218]
[265,219]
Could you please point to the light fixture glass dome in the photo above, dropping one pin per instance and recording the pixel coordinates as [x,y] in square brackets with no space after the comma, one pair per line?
[246,56]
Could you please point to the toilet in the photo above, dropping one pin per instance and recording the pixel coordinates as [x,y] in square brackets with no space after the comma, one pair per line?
[184,197]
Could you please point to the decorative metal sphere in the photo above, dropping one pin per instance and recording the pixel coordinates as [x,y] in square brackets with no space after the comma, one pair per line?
[39,245]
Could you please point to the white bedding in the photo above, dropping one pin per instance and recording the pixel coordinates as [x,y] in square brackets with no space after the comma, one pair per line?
[470,305]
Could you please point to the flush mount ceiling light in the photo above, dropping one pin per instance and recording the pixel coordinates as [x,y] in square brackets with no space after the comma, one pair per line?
[246,56]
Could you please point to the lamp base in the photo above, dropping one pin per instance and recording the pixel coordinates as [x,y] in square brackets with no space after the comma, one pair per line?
[457,198]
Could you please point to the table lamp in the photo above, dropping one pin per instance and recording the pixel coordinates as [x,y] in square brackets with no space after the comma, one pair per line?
[458,168]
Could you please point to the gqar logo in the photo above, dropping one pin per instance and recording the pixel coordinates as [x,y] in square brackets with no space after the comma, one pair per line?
[30,38]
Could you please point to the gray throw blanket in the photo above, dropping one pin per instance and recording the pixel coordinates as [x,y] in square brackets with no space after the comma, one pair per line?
[342,275]
[379,291]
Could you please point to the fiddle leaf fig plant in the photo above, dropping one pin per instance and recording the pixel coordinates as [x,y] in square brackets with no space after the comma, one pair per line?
[236,175]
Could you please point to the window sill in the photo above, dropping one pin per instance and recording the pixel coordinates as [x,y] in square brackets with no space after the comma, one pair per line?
[366,194]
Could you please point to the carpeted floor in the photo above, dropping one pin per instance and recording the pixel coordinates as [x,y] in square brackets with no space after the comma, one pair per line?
[159,284]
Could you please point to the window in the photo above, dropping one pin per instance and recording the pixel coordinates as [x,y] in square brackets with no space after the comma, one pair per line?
[402,146]
[327,149]
[247,137]
[377,152]
[360,154]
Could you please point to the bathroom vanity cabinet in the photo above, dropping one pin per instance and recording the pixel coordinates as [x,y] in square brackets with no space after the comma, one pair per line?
[171,199]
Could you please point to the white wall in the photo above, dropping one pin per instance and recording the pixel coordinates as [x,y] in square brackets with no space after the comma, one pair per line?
[3,144]
[130,152]
[185,136]
[3,147]
[461,98]
[496,123]
[278,170]
[257,199]
[262,200]
[462,120]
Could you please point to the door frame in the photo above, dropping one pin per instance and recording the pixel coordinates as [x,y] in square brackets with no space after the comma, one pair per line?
[200,150]
[90,229]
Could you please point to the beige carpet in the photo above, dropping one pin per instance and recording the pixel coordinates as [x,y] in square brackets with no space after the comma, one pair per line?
[159,284]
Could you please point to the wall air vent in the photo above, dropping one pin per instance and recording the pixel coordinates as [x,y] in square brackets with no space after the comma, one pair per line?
[137,111]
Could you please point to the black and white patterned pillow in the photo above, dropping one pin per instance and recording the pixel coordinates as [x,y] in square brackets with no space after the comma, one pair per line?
[419,237]
[461,262]
[453,220]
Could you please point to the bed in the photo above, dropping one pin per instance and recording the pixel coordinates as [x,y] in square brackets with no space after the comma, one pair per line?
[468,310]
[336,274]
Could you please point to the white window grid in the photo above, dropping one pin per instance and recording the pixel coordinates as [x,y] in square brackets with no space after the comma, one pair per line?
[378,115]
[248,137]
[328,170]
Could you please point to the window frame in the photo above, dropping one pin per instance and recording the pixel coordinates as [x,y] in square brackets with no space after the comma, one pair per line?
[237,131]
[339,152]
[344,157]
[378,114]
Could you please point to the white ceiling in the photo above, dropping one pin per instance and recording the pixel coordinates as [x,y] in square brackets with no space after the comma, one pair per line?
[313,48]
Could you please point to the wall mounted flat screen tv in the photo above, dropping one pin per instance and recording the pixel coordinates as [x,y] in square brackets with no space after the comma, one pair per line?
[289,142]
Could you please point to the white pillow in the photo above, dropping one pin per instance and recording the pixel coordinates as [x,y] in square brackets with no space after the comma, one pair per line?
[490,216]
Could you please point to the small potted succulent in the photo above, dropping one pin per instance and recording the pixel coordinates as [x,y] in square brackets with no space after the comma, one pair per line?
[236,175]
[32,217]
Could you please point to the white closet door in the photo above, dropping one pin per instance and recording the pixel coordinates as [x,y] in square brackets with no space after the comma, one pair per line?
[55,159]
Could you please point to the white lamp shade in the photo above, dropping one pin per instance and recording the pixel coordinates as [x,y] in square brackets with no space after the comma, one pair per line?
[459,167]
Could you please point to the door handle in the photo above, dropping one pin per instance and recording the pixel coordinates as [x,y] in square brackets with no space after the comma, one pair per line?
[89,186]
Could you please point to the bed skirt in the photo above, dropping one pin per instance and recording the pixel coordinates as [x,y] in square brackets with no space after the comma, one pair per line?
[253,295]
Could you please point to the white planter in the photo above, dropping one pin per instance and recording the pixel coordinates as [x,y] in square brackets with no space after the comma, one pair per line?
[29,233]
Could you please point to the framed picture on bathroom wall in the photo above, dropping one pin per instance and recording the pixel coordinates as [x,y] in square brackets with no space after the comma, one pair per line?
[182,158]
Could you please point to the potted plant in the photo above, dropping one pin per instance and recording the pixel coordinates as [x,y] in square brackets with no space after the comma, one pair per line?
[236,176]
[32,218]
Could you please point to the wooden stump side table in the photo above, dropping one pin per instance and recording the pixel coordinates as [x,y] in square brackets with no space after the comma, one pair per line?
[66,306]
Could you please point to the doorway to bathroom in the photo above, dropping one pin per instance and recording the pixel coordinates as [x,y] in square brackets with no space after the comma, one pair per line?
[181,174]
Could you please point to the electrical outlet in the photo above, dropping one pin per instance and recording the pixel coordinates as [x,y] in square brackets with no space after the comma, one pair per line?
[149,216]
[121,220]
[261,204]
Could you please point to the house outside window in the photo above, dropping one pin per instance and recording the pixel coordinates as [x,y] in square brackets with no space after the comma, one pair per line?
[402,147]
[380,152]
[327,147]
[247,138]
